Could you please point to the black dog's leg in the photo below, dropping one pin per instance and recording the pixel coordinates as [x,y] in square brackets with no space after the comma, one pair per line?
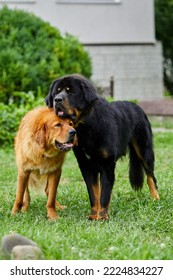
[91,179]
[90,175]
[145,153]
[148,161]
[107,179]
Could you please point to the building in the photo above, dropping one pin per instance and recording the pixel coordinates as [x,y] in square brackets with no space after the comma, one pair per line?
[118,34]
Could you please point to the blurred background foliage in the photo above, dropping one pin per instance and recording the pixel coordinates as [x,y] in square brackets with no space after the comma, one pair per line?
[164,33]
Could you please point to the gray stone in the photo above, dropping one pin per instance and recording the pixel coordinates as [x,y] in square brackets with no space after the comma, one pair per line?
[9,241]
[26,252]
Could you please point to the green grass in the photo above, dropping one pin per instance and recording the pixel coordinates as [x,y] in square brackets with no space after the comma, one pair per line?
[139,228]
[161,122]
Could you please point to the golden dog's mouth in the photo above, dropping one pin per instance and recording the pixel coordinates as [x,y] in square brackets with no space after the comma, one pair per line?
[67,146]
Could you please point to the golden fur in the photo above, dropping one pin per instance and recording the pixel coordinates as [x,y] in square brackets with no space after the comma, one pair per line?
[41,143]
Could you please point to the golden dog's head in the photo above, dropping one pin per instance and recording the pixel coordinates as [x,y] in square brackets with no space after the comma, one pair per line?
[55,133]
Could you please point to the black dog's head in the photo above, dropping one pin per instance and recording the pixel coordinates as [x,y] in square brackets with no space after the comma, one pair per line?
[71,96]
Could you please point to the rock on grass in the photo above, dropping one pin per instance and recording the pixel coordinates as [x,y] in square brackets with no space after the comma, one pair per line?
[18,247]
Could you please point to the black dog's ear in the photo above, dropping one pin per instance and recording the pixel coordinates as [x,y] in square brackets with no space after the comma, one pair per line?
[49,98]
[89,91]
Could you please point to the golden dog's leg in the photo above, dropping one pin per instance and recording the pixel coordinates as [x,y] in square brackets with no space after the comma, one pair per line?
[152,187]
[51,189]
[57,204]
[96,206]
[23,178]
[26,200]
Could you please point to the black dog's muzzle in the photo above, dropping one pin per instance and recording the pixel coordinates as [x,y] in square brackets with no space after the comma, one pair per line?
[60,97]
[61,106]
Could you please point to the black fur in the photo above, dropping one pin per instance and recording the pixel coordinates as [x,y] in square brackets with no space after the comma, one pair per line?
[105,132]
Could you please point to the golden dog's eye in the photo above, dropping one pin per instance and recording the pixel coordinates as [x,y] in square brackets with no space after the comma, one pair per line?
[71,123]
[58,124]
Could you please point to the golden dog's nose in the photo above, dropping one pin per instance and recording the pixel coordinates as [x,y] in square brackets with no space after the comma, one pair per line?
[72,133]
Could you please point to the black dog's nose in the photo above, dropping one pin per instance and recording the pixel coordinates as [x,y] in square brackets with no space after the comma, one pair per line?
[58,99]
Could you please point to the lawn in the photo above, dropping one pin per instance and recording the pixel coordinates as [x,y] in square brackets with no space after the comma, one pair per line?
[139,228]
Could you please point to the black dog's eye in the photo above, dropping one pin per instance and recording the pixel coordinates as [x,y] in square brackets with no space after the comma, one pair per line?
[67,89]
[59,89]
[58,124]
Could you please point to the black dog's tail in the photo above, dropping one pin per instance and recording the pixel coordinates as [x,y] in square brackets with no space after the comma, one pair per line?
[136,171]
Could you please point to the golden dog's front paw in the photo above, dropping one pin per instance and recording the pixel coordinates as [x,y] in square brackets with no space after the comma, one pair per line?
[15,210]
[52,215]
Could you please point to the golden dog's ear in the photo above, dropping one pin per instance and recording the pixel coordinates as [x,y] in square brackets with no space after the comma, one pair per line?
[40,136]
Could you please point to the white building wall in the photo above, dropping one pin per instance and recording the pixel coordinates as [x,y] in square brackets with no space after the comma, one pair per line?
[123,21]
[136,69]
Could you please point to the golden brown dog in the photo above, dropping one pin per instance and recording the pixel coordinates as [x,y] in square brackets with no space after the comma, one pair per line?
[41,143]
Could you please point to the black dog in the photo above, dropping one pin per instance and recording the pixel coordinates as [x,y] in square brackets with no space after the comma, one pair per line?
[105,132]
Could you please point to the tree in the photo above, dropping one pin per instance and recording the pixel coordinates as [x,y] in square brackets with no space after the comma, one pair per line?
[33,54]
[164,33]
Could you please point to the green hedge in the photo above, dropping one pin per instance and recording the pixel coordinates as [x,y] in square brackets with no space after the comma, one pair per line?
[33,53]
[12,113]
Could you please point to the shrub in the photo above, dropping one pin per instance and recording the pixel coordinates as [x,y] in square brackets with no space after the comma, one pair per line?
[12,113]
[33,53]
